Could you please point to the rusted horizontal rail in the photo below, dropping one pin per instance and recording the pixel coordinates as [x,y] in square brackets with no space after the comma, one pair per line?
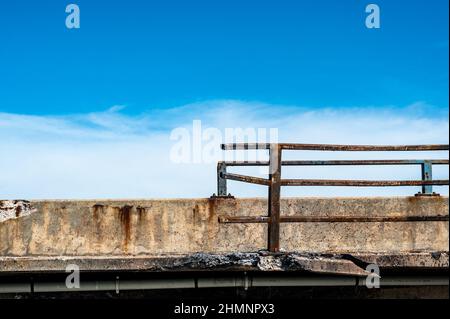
[360,183]
[333,147]
[328,219]
[337,162]
[331,182]
[246,179]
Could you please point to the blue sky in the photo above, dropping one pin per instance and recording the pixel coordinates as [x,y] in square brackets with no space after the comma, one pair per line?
[90,112]
[161,54]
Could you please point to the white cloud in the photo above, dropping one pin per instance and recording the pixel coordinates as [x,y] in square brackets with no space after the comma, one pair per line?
[113,155]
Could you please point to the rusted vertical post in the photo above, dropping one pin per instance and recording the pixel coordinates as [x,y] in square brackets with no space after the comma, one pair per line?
[221,182]
[427,175]
[274,197]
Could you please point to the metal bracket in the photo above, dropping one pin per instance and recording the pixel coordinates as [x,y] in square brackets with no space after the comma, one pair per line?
[419,194]
[214,196]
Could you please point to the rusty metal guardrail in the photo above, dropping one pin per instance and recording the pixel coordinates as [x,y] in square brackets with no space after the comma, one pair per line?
[275,182]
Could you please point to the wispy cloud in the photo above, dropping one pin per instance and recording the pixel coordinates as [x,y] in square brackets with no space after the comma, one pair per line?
[111,154]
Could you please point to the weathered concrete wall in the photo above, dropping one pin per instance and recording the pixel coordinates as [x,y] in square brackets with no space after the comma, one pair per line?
[149,227]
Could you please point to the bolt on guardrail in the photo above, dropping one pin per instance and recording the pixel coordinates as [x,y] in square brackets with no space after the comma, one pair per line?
[275,182]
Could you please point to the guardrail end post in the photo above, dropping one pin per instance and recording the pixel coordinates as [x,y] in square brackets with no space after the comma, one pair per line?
[221,181]
[274,198]
[427,175]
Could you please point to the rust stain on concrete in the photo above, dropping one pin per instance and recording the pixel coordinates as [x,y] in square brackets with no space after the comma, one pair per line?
[96,210]
[125,222]
[141,211]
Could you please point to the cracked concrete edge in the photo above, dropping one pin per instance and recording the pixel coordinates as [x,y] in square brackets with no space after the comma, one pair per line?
[12,209]
[353,265]
[437,259]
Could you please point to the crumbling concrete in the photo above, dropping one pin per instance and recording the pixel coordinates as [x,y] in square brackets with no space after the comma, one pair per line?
[10,209]
[243,262]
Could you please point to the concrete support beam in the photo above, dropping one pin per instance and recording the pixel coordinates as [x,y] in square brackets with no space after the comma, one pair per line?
[146,229]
